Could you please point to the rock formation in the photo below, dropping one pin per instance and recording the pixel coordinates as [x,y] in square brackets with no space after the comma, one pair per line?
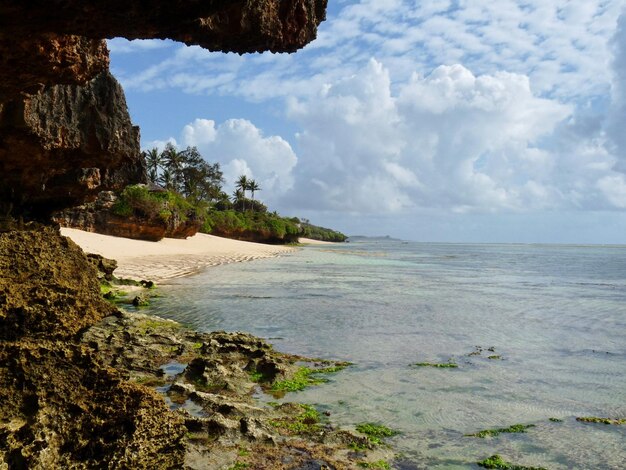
[64,129]
[60,406]
[99,217]
[66,143]
[65,135]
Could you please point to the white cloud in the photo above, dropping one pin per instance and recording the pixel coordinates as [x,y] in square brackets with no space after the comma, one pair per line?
[614,188]
[450,140]
[617,112]
[241,148]
[560,45]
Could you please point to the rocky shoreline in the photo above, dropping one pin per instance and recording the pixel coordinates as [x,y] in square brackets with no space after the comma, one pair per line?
[86,385]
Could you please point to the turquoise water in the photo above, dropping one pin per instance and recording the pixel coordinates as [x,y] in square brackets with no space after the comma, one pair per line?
[555,314]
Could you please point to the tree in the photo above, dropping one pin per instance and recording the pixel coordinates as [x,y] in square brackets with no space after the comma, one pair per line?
[174,162]
[253,186]
[165,179]
[242,184]
[154,161]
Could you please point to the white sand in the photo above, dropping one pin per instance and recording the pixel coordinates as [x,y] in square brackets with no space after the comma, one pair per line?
[170,258]
[310,241]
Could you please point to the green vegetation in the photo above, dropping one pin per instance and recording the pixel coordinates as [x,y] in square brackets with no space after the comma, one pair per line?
[304,377]
[516,428]
[300,380]
[494,357]
[138,201]
[594,419]
[375,432]
[321,233]
[192,189]
[495,461]
[556,420]
[378,464]
[149,326]
[445,365]
[305,422]
[239,466]
[257,225]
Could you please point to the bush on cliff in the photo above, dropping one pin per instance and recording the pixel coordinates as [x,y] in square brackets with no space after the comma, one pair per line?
[321,233]
[138,201]
[252,226]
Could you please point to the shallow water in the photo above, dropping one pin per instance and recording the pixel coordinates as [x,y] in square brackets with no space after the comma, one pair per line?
[555,314]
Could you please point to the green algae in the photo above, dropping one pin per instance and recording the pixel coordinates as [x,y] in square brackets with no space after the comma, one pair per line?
[304,423]
[595,419]
[516,428]
[375,432]
[305,377]
[445,365]
[382,464]
[556,420]
[496,461]
[495,357]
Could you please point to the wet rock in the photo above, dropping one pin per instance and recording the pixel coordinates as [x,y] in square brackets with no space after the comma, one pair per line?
[141,301]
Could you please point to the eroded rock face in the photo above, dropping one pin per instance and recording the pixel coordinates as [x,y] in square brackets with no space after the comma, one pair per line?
[48,288]
[64,128]
[98,217]
[65,144]
[61,408]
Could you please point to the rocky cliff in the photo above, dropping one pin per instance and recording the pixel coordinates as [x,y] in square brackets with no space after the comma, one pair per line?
[64,129]
[65,135]
[64,144]
[60,406]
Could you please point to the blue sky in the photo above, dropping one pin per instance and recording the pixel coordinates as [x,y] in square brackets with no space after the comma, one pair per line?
[432,120]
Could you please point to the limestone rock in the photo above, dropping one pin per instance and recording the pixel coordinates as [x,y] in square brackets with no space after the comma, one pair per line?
[105,266]
[48,288]
[61,408]
[97,217]
[66,144]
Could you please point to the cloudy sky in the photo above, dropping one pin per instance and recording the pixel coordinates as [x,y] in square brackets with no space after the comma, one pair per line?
[429,120]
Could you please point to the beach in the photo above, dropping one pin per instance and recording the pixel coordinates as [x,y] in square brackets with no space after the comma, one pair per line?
[172,258]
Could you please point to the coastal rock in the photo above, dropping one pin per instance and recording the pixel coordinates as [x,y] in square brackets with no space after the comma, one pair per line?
[98,217]
[105,266]
[61,408]
[48,288]
[59,41]
[65,144]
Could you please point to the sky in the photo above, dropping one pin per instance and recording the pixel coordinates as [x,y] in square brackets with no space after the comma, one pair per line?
[426,120]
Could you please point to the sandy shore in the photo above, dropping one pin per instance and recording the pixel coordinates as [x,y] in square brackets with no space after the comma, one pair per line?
[170,258]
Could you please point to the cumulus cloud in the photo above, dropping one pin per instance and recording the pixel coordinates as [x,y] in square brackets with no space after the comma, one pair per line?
[451,140]
[617,112]
[241,148]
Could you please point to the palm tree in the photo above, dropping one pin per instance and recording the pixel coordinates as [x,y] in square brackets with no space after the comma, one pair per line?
[166,179]
[153,161]
[253,186]
[243,184]
[174,162]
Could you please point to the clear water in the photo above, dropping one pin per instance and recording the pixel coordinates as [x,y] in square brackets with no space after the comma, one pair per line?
[555,314]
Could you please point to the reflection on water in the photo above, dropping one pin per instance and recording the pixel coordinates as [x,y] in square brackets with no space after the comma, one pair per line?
[556,316]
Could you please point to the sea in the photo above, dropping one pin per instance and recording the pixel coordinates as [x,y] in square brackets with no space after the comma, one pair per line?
[537,332]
